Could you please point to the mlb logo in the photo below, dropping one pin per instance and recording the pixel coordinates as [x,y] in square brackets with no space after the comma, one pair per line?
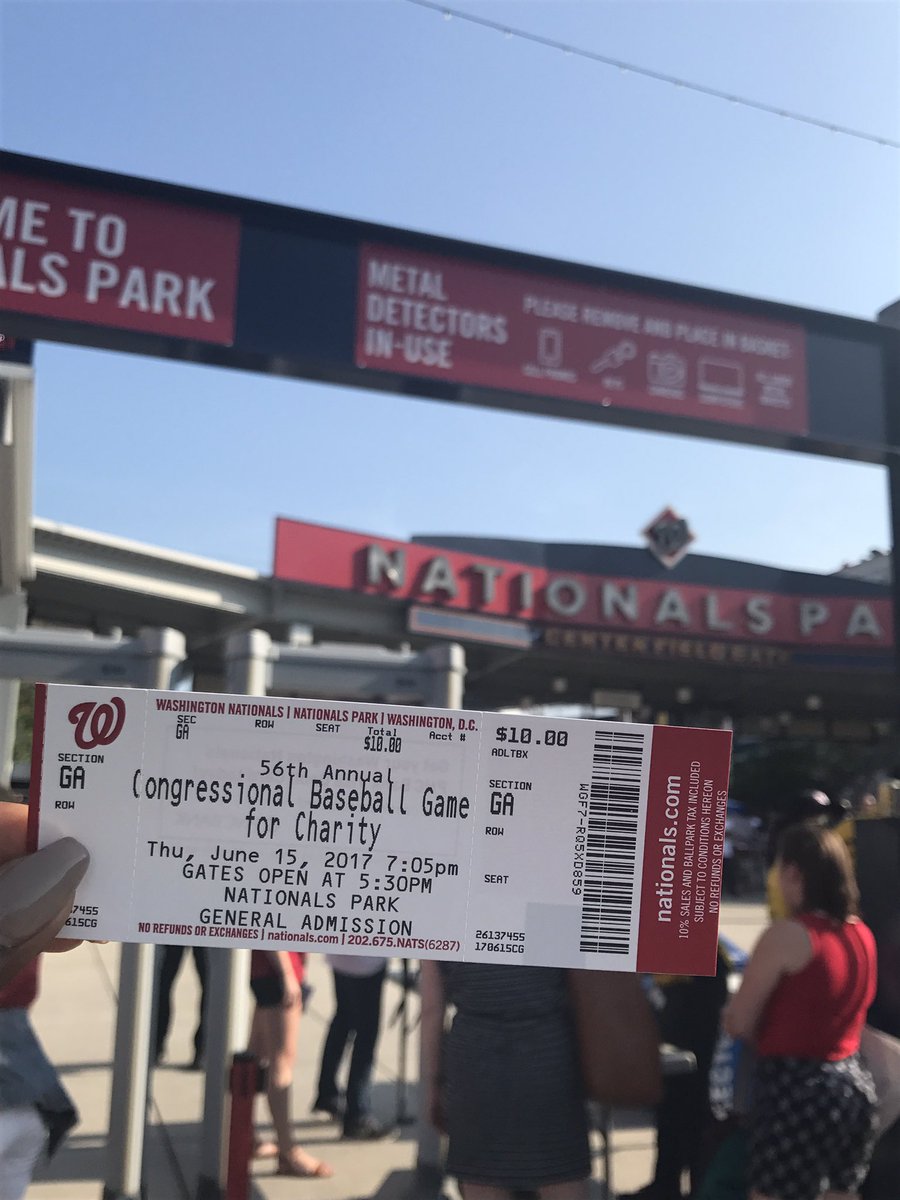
[668,537]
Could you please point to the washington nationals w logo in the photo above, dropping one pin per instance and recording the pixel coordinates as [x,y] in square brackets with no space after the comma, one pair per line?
[97,724]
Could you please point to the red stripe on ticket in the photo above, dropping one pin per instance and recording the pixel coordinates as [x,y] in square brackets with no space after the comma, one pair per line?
[683,851]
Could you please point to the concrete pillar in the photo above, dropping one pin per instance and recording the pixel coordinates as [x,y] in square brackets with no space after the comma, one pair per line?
[448,661]
[248,659]
[159,652]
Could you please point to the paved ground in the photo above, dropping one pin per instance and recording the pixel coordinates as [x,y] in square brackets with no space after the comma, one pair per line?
[75,1018]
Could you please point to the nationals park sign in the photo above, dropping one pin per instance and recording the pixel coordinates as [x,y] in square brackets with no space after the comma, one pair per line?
[135,265]
[582,611]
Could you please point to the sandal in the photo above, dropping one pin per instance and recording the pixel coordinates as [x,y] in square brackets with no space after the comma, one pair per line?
[291,1166]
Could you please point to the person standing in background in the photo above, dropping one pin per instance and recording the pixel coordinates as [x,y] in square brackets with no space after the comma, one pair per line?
[276,978]
[168,969]
[36,1111]
[688,1020]
[505,1082]
[803,1002]
[358,984]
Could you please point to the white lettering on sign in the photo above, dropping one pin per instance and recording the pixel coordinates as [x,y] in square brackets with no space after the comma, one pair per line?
[479,585]
[95,256]
[385,566]
[812,614]
[489,576]
[161,292]
[414,301]
[618,601]
[713,620]
[672,608]
[439,578]
[23,222]
[760,619]
[863,621]
[566,596]
[291,824]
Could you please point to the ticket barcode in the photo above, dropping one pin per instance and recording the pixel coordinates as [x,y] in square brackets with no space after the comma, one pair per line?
[613,818]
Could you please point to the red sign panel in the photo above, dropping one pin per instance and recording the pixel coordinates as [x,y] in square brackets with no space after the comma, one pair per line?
[337,558]
[118,260]
[684,844]
[446,319]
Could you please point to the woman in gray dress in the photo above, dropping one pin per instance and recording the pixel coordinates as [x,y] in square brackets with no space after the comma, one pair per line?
[504,1083]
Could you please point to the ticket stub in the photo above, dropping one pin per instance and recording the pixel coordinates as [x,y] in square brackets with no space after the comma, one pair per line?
[277,823]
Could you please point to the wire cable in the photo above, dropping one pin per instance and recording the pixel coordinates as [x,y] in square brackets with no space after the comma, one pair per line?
[659,76]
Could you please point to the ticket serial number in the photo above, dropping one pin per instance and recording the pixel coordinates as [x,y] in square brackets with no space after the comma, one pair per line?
[502,941]
[83,916]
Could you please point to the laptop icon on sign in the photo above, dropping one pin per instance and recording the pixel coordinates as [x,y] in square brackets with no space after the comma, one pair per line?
[716,377]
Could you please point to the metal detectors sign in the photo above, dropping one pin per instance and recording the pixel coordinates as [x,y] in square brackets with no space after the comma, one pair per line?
[503,329]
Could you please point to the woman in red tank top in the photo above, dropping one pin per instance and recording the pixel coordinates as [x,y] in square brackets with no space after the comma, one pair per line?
[803,1003]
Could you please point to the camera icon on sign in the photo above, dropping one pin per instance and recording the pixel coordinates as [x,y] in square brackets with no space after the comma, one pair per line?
[666,369]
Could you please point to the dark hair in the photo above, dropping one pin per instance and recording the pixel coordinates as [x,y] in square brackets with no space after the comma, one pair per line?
[806,805]
[823,860]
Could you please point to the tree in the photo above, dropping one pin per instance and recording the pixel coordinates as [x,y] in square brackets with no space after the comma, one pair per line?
[24,724]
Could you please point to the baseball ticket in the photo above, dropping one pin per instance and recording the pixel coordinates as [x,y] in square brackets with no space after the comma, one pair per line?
[284,823]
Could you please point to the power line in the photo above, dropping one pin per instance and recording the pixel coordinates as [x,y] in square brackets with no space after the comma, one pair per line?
[659,76]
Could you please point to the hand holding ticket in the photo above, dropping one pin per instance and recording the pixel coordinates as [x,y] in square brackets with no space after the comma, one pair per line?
[310,825]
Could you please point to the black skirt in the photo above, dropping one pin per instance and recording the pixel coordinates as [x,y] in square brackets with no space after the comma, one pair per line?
[514,1103]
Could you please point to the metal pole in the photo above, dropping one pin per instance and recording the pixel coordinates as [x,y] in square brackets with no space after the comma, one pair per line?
[247,658]
[228,986]
[16,536]
[12,617]
[889,318]
[134,1021]
[403,1117]
[128,1099]
[429,1149]
[450,672]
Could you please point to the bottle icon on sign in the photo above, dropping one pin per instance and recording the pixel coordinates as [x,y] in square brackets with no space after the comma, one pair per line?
[550,347]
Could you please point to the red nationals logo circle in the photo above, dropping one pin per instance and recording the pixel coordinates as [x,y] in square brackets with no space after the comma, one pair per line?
[97,724]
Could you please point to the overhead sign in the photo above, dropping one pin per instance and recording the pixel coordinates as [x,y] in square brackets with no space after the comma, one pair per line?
[308,825]
[80,254]
[454,580]
[136,265]
[473,324]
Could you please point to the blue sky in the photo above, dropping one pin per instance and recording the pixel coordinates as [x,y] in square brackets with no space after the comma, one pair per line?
[382,110]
